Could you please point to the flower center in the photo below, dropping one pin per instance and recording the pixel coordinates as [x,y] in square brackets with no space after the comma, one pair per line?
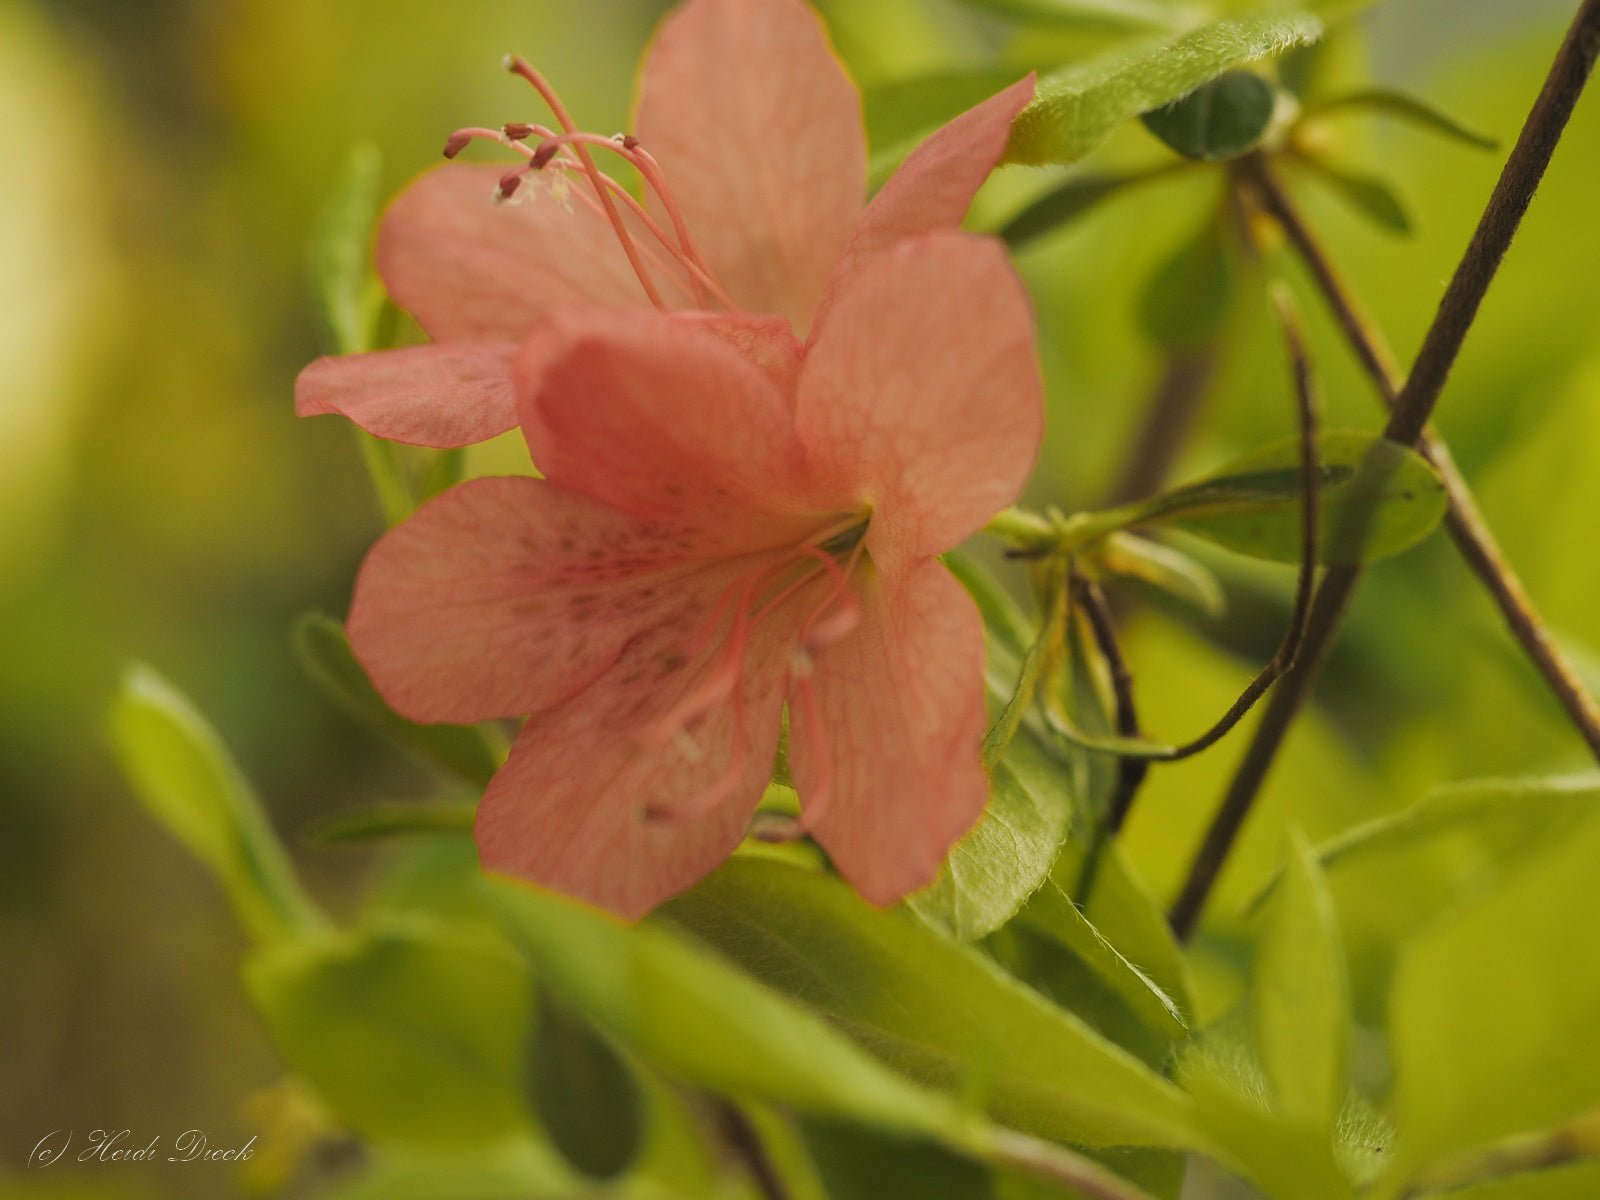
[561,155]
[820,567]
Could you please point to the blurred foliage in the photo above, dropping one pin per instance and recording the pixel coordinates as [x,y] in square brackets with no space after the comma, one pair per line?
[158,498]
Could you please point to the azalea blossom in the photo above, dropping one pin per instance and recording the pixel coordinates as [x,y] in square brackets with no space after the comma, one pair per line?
[711,543]
[749,140]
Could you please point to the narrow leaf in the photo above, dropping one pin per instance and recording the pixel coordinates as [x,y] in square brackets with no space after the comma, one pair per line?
[1378,498]
[1366,194]
[932,1008]
[1402,107]
[325,655]
[1061,206]
[341,271]
[1493,1009]
[380,821]
[1171,571]
[584,1094]
[183,773]
[1301,999]
[697,1017]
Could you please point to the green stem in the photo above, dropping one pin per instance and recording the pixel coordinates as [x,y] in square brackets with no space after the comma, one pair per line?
[388,481]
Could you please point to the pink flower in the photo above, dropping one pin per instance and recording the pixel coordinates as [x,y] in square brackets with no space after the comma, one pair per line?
[750,140]
[712,542]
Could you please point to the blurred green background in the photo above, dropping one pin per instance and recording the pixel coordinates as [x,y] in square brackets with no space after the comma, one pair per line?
[164,163]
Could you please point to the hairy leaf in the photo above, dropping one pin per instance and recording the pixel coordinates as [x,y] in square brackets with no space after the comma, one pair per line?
[1079,107]
[931,1007]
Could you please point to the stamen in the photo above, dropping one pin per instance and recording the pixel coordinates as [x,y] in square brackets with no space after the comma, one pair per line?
[517,65]
[627,147]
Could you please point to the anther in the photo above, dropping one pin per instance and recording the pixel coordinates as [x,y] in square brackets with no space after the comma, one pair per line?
[542,156]
[517,131]
[456,143]
[509,183]
[629,142]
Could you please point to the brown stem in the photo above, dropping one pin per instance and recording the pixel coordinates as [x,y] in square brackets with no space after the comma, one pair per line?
[1130,771]
[744,1142]
[1413,407]
[1464,521]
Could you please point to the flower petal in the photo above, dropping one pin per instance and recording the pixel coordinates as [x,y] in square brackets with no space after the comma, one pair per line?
[448,395]
[759,133]
[934,186]
[894,733]
[503,596]
[469,269]
[921,391]
[654,415]
[570,809]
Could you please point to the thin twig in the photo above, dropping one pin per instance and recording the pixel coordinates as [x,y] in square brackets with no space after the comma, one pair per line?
[1288,652]
[743,1140]
[1130,770]
[1464,521]
[1413,408]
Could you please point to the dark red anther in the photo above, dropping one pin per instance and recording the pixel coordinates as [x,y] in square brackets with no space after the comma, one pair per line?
[518,130]
[629,142]
[543,155]
[509,183]
[456,144]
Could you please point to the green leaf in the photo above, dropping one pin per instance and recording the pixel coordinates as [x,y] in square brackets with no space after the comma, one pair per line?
[1492,1012]
[1169,570]
[1378,499]
[324,653]
[1191,295]
[1051,913]
[1078,108]
[186,778]
[1007,628]
[1395,875]
[1218,120]
[380,821]
[584,1094]
[698,1018]
[1300,998]
[341,272]
[412,1031]
[994,869]
[932,1008]
[1060,206]
[1123,910]
[1366,194]
[862,1164]
[1287,1161]
[1384,102]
